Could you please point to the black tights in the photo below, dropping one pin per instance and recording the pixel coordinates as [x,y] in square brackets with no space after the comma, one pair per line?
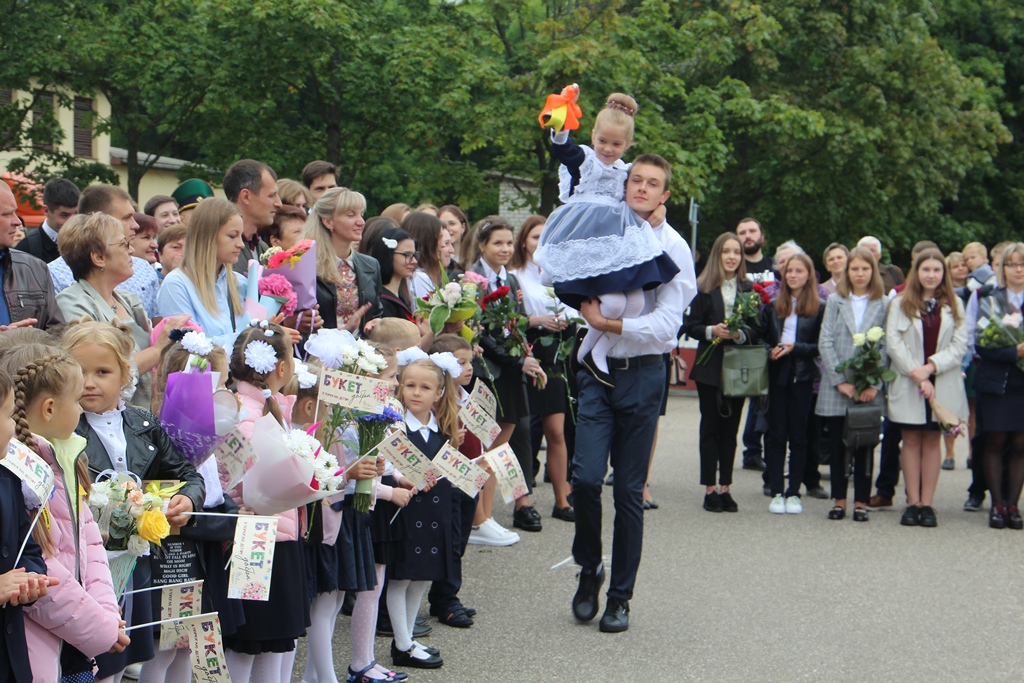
[995,445]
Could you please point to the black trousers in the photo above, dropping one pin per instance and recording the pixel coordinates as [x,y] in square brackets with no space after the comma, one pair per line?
[889,461]
[863,461]
[717,435]
[789,409]
[618,423]
[444,593]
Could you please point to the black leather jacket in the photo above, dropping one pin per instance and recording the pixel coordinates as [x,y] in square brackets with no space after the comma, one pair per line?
[799,365]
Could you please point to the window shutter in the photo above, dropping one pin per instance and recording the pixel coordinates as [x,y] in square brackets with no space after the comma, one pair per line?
[83,127]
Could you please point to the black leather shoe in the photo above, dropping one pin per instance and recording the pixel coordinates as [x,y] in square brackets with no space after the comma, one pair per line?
[602,377]
[728,504]
[927,517]
[817,492]
[421,628]
[973,504]
[837,512]
[911,516]
[616,616]
[584,603]
[526,518]
[384,629]
[713,502]
[860,515]
[997,517]
[406,659]
[767,490]
[652,504]
[566,514]
[1013,518]
[456,618]
[755,463]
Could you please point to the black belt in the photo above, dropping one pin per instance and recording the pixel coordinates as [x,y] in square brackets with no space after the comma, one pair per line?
[636,361]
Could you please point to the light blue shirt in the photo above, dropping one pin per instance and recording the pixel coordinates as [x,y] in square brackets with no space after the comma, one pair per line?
[178,295]
[144,282]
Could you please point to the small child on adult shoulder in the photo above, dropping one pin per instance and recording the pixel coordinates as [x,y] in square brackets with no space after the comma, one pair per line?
[80,618]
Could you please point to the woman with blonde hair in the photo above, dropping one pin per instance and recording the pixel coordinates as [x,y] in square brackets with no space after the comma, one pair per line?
[348,285]
[205,286]
[397,212]
[926,333]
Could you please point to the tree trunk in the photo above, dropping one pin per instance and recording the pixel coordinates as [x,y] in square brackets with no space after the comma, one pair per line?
[135,170]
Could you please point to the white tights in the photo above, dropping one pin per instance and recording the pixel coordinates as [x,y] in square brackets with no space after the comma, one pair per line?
[364,625]
[614,306]
[404,598]
[323,614]
[168,666]
[269,667]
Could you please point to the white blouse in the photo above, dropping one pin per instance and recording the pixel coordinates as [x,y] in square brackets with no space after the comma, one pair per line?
[537,299]
[109,427]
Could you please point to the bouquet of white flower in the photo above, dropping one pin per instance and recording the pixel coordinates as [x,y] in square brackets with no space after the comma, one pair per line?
[864,370]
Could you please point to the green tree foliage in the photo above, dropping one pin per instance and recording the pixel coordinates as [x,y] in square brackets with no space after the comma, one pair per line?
[826,120]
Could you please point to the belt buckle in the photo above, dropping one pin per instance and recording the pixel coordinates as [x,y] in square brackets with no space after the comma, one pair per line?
[626,361]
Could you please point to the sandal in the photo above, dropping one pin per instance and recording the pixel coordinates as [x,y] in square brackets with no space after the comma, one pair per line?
[860,514]
[837,512]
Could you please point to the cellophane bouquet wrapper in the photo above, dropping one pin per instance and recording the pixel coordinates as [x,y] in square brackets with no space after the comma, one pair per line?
[196,423]
[280,480]
[302,275]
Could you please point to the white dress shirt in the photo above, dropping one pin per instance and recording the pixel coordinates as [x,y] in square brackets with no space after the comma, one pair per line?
[490,275]
[656,329]
[415,425]
[860,305]
[789,326]
[536,297]
[109,427]
[50,232]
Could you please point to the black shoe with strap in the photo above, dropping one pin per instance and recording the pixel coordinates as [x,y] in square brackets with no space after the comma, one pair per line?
[616,616]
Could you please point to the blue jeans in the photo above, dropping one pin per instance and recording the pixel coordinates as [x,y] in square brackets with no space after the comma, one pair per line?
[620,422]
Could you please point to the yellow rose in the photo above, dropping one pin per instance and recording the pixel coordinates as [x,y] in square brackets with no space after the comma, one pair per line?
[152,525]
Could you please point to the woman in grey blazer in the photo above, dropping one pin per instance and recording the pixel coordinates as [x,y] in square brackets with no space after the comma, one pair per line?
[97,249]
[858,305]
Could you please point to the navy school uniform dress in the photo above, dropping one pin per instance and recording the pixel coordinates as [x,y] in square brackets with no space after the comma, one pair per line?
[150,454]
[428,519]
[14,523]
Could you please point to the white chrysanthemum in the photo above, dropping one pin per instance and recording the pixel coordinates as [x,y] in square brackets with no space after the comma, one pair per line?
[380,361]
[367,366]
[364,347]
[197,343]
[137,545]
[260,356]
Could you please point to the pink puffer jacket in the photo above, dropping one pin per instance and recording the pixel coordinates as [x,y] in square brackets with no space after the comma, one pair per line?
[252,400]
[84,612]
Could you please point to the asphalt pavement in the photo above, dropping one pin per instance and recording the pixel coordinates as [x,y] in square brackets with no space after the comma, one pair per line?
[749,596]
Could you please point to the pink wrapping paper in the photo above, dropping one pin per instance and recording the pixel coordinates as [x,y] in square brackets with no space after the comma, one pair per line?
[302,277]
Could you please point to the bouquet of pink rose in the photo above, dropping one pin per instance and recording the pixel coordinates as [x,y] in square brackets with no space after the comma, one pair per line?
[298,266]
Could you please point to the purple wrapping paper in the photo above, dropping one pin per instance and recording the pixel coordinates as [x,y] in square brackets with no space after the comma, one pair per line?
[187,415]
[302,277]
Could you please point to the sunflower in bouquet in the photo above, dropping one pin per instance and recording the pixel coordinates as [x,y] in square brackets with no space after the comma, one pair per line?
[339,350]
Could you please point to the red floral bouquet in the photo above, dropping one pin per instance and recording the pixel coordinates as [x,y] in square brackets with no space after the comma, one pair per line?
[277,287]
[505,322]
[763,293]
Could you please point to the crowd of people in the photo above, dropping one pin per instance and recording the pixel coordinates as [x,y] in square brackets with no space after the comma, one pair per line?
[926,329]
[102,303]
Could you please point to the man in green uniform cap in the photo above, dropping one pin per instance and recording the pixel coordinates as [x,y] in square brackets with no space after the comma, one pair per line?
[189,194]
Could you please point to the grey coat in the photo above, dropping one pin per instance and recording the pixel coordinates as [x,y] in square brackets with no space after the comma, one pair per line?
[835,344]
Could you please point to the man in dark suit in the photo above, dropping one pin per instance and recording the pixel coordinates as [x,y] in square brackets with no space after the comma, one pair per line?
[60,202]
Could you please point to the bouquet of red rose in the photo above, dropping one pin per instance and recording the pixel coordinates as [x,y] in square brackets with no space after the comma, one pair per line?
[505,322]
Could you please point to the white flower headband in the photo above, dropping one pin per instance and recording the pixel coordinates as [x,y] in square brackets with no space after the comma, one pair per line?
[447,362]
[260,356]
[307,380]
[410,354]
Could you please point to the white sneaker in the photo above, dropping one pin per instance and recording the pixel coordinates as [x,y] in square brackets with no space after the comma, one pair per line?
[507,533]
[793,505]
[778,505]
[133,671]
[493,534]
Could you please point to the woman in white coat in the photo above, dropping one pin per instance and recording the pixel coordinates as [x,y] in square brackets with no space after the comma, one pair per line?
[927,338]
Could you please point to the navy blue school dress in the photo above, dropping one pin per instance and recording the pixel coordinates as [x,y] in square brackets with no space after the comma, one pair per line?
[356,570]
[428,519]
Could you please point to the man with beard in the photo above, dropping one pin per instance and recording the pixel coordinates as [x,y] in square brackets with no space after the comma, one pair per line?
[760,268]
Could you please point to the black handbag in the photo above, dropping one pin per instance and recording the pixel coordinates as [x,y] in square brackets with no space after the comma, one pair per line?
[861,429]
